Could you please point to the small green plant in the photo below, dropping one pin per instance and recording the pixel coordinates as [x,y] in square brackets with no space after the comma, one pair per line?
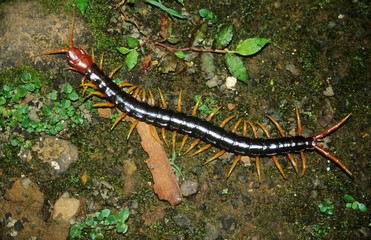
[319,231]
[176,168]
[50,114]
[103,221]
[326,207]
[351,203]
[208,15]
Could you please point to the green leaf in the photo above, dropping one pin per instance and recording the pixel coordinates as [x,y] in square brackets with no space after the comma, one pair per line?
[132,42]
[123,215]
[26,77]
[47,111]
[106,212]
[173,40]
[199,35]
[66,103]
[131,59]
[2,100]
[73,96]
[123,50]
[53,95]
[348,198]
[236,67]
[362,207]
[59,127]
[37,83]
[30,87]
[67,88]
[166,9]
[224,37]
[180,54]
[21,91]
[121,228]
[251,46]
[14,142]
[355,205]
[203,12]
[82,5]
[348,205]
[75,230]
[25,123]
[110,220]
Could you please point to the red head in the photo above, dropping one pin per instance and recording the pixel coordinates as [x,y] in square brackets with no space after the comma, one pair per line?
[78,59]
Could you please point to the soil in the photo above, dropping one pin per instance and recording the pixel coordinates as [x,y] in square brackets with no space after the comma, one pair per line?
[317,59]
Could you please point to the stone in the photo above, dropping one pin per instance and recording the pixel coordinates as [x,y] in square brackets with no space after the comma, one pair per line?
[65,209]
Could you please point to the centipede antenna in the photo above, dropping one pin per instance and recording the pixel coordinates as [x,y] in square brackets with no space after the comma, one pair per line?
[332,128]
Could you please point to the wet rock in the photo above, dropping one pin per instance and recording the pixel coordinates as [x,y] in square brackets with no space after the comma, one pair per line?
[66,208]
[293,69]
[246,199]
[229,224]
[189,187]
[242,178]
[182,221]
[57,152]
[18,226]
[212,232]
[234,202]
[329,92]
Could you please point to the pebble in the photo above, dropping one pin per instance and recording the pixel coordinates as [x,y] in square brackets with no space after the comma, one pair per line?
[57,152]
[329,92]
[211,232]
[229,224]
[189,187]
[182,221]
[242,178]
[18,226]
[66,208]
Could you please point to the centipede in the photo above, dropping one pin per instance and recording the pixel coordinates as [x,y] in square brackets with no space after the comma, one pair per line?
[203,130]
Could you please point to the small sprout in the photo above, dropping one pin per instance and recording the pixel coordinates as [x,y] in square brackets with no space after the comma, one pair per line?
[208,15]
[353,204]
[326,207]
[103,221]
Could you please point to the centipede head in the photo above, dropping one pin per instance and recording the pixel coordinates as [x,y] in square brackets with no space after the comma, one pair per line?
[77,58]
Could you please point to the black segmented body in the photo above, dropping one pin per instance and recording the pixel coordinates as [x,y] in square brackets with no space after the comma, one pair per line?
[193,126]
